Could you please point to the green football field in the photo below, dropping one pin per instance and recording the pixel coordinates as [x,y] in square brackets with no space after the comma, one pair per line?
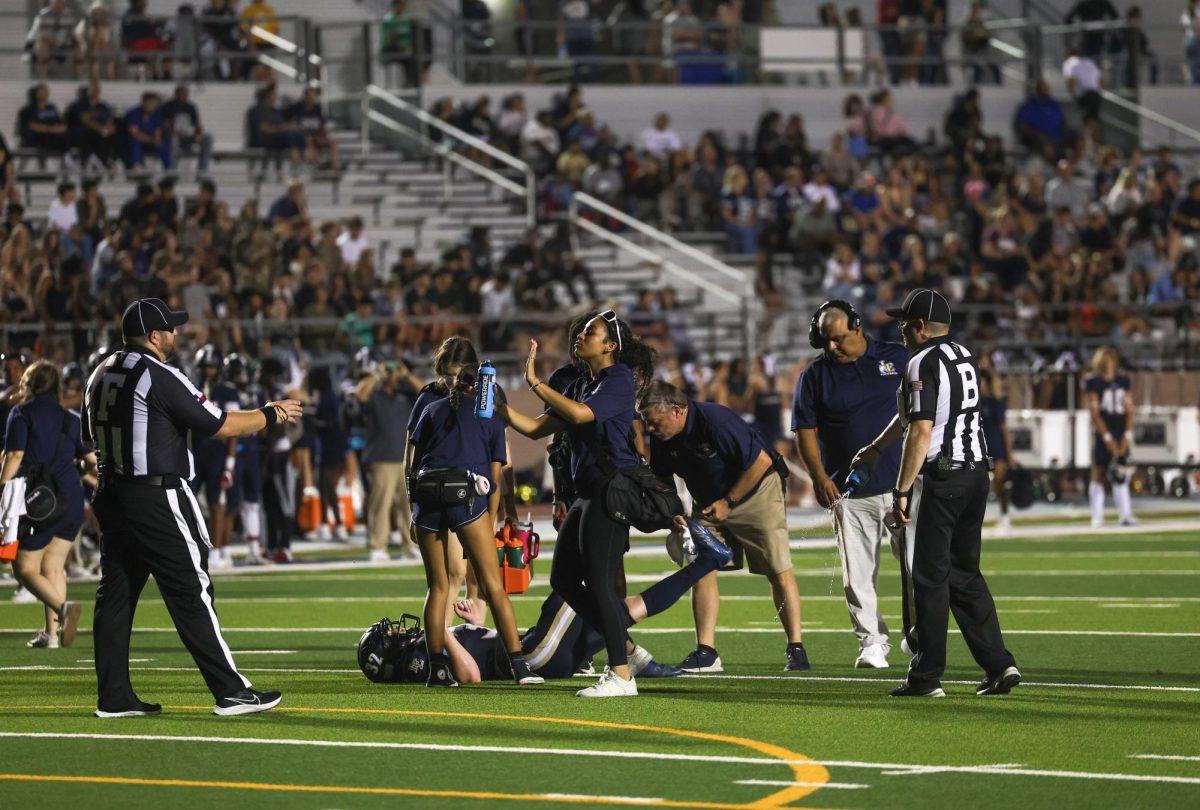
[1104,628]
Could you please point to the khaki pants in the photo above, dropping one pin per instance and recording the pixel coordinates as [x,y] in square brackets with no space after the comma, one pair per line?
[758,528]
[858,524]
[387,493]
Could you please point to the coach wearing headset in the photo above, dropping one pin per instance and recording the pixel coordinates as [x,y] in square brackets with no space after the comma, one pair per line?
[843,400]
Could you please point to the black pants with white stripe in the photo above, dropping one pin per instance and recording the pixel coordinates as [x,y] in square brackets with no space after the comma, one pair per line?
[944,576]
[151,530]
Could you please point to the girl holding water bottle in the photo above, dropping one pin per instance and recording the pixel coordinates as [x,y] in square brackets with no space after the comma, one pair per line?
[458,452]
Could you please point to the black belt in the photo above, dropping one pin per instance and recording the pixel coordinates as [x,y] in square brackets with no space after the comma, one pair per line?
[932,466]
[160,481]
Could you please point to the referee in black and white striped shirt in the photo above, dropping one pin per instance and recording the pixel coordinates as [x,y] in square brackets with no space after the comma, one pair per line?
[939,502]
[138,412]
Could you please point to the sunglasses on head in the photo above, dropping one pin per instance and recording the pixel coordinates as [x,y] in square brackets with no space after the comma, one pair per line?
[610,316]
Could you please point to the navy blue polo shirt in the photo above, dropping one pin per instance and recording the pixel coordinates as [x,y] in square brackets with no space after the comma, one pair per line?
[461,440]
[611,396]
[34,428]
[564,380]
[429,395]
[714,450]
[850,404]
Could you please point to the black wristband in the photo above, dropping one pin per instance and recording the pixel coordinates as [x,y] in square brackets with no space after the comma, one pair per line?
[897,494]
[268,411]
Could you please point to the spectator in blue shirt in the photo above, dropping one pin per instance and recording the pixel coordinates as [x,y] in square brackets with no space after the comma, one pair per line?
[737,492]
[147,135]
[843,400]
[1169,288]
[1040,123]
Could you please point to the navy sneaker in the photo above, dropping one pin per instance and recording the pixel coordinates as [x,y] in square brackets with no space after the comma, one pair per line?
[657,670]
[797,659]
[999,684]
[702,659]
[707,542]
[904,690]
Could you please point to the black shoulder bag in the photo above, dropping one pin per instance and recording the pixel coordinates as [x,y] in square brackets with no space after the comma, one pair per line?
[45,503]
[635,497]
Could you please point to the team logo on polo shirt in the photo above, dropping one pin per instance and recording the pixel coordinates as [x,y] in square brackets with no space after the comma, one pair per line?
[887,368]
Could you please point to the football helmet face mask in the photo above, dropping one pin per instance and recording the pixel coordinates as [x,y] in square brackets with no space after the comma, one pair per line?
[394,651]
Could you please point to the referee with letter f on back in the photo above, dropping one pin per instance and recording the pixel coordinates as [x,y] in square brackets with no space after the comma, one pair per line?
[939,502]
[138,412]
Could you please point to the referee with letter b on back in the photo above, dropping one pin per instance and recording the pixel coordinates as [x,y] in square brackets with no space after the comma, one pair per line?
[137,414]
[939,502]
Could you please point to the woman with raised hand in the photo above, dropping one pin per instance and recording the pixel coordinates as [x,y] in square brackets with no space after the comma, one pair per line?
[457,457]
[598,419]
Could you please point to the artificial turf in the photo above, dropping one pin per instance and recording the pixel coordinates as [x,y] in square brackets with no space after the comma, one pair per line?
[686,742]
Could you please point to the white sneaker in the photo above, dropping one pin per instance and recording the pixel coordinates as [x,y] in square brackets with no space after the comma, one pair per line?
[1097,524]
[324,533]
[22,596]
[394,539]
[379,556]
[43,640]
[873,656]
[341,535]
[1004,524]
[1130,520]
[638,659]
[610,685]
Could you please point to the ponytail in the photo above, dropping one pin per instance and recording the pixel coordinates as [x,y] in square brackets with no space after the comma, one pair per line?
[639,356]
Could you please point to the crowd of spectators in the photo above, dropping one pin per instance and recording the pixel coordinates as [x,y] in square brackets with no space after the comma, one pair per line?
[95,136]
[1056,236]
[214,42]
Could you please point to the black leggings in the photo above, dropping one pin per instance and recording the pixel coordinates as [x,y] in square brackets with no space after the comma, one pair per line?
[587,559]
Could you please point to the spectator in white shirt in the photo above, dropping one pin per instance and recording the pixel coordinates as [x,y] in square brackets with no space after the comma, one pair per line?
[819,188]
[1084,81]
[660,140]
[352,242]
[62,213]
[843,272]
[540,143]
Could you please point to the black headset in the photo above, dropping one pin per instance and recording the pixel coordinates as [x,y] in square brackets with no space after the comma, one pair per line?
[814,328]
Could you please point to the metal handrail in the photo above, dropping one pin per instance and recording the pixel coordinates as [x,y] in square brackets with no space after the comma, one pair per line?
[529,190]
[700,256]
[1151,115]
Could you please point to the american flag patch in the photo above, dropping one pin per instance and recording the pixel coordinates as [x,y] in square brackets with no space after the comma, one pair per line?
[916,385]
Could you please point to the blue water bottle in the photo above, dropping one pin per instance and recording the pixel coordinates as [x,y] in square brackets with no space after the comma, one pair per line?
[857,479]
[485,389]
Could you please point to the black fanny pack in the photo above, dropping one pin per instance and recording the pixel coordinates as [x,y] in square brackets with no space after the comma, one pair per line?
[636,496]
[445,485]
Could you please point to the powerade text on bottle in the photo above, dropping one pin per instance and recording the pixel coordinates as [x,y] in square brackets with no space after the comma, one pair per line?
[485,390]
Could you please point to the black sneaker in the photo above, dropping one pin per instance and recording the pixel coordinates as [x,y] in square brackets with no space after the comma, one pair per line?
[247,701]
[138,709]
[702,659]
[904,690]
[797,659]
[1000,683]
[439,672]
[522,674]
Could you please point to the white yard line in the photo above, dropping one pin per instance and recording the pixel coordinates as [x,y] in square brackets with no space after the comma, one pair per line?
[776,783]
[1166,757]
[906,769]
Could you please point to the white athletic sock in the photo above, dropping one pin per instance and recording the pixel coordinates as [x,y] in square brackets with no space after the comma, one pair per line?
[252,521]
[1123,501]
[1096,497]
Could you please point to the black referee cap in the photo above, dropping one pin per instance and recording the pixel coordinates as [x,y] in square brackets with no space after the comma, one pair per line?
[148,314]
[928,305]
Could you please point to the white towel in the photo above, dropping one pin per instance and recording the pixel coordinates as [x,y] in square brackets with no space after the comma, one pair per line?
[12,506]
